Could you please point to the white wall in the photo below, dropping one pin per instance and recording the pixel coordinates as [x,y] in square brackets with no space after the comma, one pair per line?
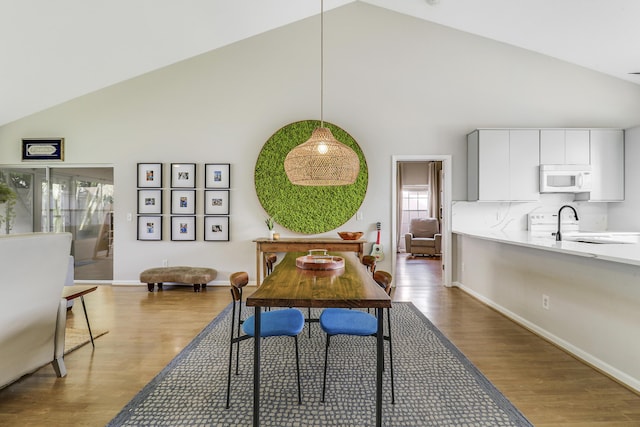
[624,216]
[397,84]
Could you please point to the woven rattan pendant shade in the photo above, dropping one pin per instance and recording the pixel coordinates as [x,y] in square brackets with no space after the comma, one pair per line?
[322,161]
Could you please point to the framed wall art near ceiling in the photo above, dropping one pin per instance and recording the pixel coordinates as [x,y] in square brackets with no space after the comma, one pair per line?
[183,228]
[150,201]
[149,228]
[49,149]
[217,175]
[216,228]
[149,175]
[183,175]
[216,202]
[183,202]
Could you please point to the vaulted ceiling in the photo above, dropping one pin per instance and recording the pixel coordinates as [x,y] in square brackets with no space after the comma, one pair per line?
[54,51]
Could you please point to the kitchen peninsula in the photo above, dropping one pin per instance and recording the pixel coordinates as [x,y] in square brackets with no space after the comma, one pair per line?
[583,297]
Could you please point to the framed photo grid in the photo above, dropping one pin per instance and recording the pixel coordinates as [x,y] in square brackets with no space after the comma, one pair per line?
[217,175]
[216,228]
[183,228]
[150,202]
[149,175]
[184,189]
[216,202]
[149,227]
[183,175]
[183,202]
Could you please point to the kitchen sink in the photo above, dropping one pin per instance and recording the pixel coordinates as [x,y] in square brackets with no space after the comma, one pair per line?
[601,238]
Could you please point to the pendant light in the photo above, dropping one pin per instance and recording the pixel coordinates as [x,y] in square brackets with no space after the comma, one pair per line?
[322,160]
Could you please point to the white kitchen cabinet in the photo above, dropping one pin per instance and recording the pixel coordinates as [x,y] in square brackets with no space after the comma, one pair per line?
[503,165]
[607,166]
[524,160]
[564,147]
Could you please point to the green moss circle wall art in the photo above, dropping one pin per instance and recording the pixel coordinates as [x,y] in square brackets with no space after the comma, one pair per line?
[307,210]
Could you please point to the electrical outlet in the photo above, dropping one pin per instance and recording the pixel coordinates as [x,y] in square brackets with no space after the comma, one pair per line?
[545,302]
[462,266]
[165,263]
[359,216]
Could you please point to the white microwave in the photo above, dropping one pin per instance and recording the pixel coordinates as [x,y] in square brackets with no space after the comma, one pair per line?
[565,178]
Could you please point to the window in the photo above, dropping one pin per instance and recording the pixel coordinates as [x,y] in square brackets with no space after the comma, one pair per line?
[415,204]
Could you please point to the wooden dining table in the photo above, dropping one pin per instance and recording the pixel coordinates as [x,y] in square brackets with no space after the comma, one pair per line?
[348,287]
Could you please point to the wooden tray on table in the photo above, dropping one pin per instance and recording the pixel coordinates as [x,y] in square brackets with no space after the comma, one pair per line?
[317,259]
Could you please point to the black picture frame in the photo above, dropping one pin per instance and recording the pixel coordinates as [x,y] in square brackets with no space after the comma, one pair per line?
[183,202]
[183,228]
[183,175]
[216,229]
[150,202]
[216,202]
[149,227]
[217,175]
[149,175]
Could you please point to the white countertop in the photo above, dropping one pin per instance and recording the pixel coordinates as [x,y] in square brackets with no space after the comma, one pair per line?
[626,253]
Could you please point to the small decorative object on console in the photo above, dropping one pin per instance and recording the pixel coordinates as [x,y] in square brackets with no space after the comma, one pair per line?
[350,235]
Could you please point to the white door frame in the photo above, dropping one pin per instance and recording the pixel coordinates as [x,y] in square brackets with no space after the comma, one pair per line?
[446,209]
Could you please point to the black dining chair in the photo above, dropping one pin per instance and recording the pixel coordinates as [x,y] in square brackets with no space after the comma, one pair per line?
[285,322]
[343,321]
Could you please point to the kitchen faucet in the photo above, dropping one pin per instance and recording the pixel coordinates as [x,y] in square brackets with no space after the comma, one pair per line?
[558,235]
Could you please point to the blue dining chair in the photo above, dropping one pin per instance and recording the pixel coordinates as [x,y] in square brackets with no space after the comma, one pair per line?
[343,321]
[286,322]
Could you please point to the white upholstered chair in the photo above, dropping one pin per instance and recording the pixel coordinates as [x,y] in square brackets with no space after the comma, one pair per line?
[424,237]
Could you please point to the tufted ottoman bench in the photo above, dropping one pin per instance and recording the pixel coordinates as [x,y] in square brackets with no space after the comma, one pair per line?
[197,276]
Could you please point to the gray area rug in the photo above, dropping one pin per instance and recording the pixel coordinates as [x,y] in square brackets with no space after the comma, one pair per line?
[435,384]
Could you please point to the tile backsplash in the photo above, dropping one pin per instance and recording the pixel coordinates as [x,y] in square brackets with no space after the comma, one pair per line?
[509,216]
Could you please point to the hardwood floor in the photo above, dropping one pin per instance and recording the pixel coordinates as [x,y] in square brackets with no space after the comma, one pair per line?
[146,330]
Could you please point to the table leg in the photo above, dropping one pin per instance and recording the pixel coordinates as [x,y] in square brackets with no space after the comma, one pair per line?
[256,368]
[379,363]
[84,307]
[258,259]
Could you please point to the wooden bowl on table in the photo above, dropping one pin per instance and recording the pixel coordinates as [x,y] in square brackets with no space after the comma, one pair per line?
[350,235]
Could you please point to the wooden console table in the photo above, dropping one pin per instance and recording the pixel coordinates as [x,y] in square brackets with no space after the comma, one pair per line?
[264,245]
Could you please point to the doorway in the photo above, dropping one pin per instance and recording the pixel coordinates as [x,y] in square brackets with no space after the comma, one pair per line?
[78,200]
[418,194]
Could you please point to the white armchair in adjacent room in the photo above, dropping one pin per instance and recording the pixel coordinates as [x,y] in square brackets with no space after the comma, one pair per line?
[424,237]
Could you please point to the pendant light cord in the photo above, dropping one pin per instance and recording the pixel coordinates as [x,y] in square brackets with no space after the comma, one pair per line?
[321,63]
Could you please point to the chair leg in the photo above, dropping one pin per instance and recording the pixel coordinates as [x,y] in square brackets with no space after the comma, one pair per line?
[233,317]
[326,356]
[393,394]
[298,371]
[309,320]
[239,325]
